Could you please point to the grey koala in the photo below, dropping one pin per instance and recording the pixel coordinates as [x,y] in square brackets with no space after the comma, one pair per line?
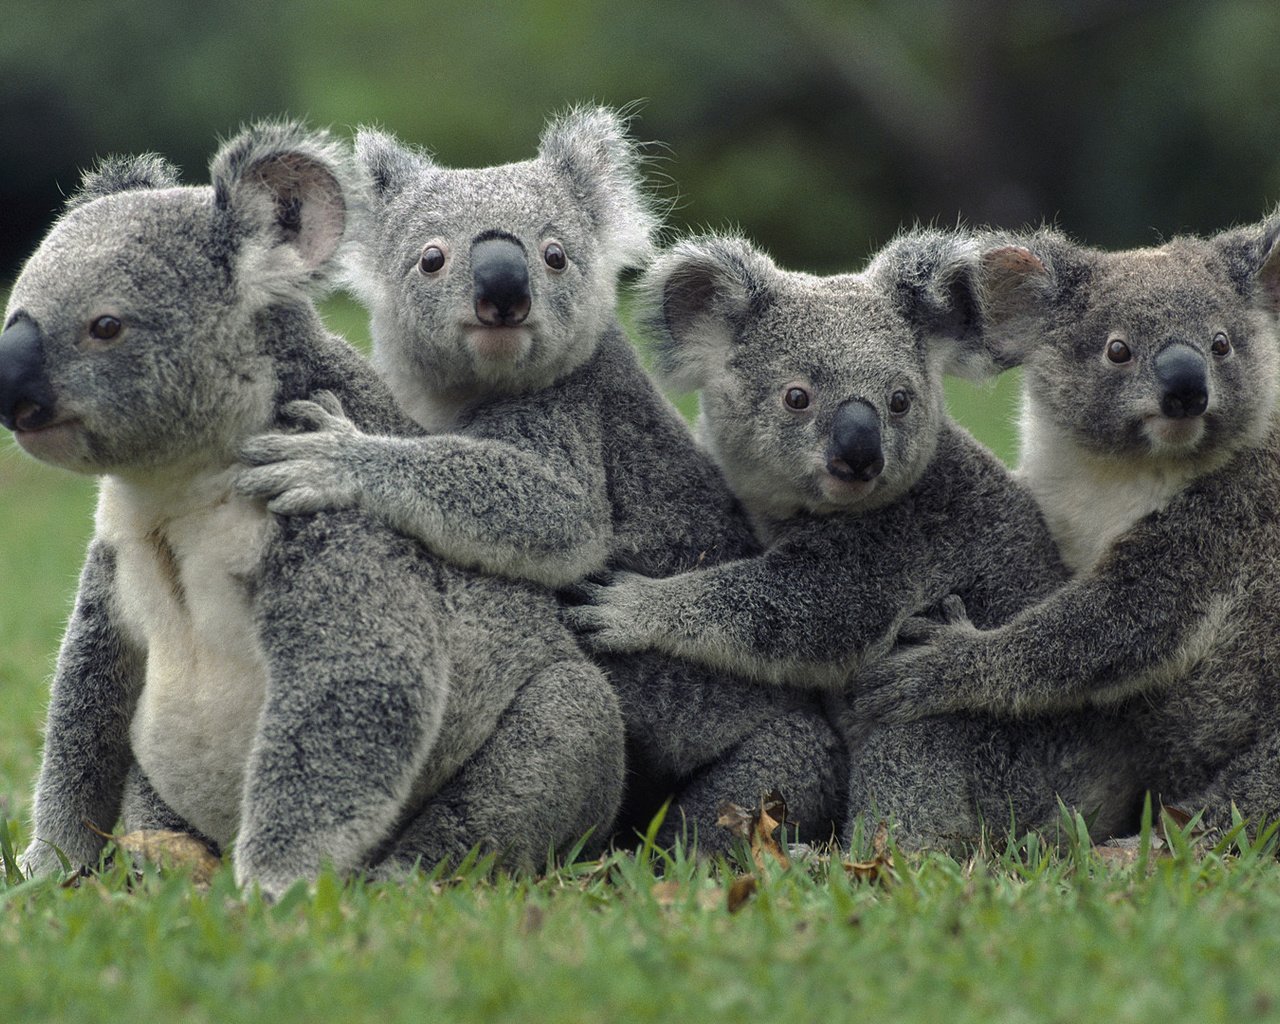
[318,689]
[822,401]
[493,301]
[1150,440]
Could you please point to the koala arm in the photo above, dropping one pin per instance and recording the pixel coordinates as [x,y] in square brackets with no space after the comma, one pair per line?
[527,503]
[357,685]
[791,616]
[86,747]
[1134,622]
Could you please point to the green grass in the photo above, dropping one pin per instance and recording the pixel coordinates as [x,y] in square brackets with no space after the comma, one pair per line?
[1029,935]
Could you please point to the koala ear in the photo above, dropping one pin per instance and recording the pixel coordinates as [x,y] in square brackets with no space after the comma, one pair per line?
[932,276]
[123,174]
[693,300]
[591,149]
[1252,257]
[387,163]
[1016,279]
[285,197]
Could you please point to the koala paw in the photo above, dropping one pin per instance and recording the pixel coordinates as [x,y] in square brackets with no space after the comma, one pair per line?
[915,681]
[605,611]
[303,472]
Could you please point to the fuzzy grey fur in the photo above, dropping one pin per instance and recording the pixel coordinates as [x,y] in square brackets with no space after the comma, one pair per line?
[1169,525]
[317,689]
[561,457]
[848,561]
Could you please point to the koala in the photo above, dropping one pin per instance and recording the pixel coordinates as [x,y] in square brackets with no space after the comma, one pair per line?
[318,689]
[1150,440]
[821,400]
[550,454]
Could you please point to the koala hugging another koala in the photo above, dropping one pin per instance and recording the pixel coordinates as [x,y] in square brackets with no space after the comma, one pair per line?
[551,454]
[1151,442]
[821,400]
[318,689]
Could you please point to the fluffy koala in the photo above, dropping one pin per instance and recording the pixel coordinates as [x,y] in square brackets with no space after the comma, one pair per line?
[315,690]
[1150,440]
[822,401]
[493,301]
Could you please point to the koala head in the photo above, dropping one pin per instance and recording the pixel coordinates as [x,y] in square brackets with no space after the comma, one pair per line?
[498,278]
[817,393]
[1162,354]
[131,340]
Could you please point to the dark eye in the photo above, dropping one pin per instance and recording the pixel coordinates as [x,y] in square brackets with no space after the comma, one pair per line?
[1221,344]
[555,256]
[432,259]
[899,402]
[105,328]
[1118,351]
[795,399]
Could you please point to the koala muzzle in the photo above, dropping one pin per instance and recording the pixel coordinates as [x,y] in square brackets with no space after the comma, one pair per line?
[855,452]
[1182,375]
[501,282]
[26,397]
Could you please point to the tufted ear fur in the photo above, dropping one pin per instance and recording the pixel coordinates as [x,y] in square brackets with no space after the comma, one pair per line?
[1016,277]
[932,276]
[387,163]
[590,147]
[123,174]
[285,198]
[1252,258]
[693,300]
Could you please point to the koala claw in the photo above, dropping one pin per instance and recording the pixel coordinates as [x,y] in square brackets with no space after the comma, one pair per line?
[600,613]
[322,412]
[921,629]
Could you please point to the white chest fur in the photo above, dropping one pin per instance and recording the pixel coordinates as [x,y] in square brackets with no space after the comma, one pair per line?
[185,555]
[1088,502]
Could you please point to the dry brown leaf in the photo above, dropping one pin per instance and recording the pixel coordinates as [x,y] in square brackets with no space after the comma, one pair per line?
[757,827]
[742,889]
[171,851]
[880,867]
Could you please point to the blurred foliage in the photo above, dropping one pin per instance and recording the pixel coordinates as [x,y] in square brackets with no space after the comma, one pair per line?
[817,126]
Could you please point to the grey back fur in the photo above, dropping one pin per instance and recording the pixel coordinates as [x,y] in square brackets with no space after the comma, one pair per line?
[1165,511]
[317,690]
[552,455]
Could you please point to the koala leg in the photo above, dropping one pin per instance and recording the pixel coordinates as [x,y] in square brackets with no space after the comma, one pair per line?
[1249,781]
[681,718]
[798,753]
[550,773]
[919,777]
[145,810]
[940,780]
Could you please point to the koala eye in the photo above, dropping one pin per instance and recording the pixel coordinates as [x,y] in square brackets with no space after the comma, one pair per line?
[432,259]
[1221,344]
[795,398]
[899,402]
[105,328]
[554,255]
[1118,351]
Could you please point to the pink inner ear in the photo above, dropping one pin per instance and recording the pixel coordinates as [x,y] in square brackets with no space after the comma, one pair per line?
[1013,259]
[309,204]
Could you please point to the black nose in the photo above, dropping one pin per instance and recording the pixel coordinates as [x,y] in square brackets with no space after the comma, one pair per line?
[26,397]
[501,281]
[1182,375]
[855,452]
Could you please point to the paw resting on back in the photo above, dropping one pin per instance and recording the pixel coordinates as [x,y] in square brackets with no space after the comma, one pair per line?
[606,610]
[299,473]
